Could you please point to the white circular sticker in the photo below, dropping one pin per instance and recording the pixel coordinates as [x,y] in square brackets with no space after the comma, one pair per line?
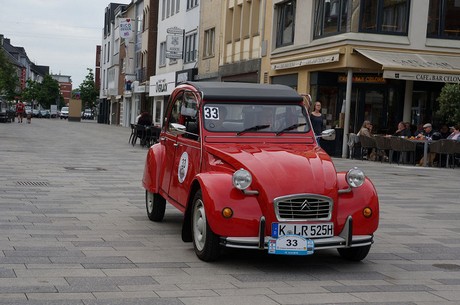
[183,167]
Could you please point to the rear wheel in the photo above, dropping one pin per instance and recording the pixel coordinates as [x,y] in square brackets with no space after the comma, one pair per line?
[156,206]
[205,242]
[354,254]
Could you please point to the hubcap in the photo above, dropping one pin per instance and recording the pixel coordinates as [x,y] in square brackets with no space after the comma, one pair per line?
[199,225]
[150,202]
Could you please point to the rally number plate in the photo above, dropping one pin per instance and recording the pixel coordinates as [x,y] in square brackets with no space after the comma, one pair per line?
[291,245]
[304,230]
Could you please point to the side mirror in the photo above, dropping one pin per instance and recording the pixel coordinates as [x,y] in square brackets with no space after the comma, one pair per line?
[177,129]
[328,135]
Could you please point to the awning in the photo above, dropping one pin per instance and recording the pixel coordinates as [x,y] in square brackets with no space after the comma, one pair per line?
[416,67]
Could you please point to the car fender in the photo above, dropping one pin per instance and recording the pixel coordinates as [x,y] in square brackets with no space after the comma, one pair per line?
[151,178]
[352,204]
[218,192]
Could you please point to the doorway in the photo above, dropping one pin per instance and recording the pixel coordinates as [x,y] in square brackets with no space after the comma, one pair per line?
[368,104]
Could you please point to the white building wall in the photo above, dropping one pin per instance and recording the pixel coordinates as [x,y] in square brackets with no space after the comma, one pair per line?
[184,19]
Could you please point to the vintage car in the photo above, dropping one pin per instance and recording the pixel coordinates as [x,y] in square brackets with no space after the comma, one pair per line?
[242,164]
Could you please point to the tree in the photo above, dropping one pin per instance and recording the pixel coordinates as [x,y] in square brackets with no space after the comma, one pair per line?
[45,93]
[9,81]
[449,103]
[88,90]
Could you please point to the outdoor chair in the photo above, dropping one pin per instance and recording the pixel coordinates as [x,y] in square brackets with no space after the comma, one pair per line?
[454,151]
[139,133]
[404,148]
[442,148]
[133,133]
[367,145]
[353,142]
[383,145]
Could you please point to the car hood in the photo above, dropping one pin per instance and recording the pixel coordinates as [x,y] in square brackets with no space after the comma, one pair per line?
[282,169]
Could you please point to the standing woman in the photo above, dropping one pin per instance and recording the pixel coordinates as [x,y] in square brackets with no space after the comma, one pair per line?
[316,118]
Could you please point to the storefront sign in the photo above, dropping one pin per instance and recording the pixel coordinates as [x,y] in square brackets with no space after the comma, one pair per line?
[126,28]
[426,77]
[306,62]
[174,43]
[162,84]
[363,79]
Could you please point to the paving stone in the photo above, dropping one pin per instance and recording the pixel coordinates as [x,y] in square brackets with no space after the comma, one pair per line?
[83,237]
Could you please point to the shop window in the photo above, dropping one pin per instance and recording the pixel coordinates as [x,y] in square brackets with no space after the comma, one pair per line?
[385,16]
[330,17]
[286,18]
[443,19]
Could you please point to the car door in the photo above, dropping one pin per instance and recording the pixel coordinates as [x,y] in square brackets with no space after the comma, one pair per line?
[183,151]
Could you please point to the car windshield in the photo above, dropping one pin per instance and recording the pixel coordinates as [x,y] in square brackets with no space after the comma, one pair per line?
[243,118]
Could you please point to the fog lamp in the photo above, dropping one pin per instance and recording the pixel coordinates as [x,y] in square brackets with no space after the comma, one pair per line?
[227,212]
[367,212]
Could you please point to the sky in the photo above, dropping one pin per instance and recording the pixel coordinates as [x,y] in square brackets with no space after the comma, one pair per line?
[61,34]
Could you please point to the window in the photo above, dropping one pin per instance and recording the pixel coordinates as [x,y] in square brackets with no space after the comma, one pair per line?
[331,17]
[190,48]
[285,30]
[209,41]
[384,16]
[162,62]
[191,4]
[184,111]
[443,19]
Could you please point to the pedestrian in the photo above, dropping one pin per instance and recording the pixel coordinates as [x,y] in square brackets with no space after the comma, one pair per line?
[316,118]
[20,108]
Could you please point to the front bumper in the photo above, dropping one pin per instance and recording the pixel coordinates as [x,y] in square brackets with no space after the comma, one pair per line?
[344,240]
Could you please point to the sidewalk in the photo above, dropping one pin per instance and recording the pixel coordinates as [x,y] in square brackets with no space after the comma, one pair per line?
[73,230]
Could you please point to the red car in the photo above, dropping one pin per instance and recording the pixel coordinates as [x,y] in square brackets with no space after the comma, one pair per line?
[242,164]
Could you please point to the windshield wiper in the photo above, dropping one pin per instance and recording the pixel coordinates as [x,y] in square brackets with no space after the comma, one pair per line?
[294,126]
[253,128]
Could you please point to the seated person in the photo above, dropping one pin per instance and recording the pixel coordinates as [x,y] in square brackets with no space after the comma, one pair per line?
[145,119]
[402,131]
[455,135]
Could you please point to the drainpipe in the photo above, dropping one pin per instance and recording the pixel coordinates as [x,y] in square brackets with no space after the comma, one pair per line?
[346,126]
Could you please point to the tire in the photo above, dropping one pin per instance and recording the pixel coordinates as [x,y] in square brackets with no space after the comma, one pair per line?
[156,206]
[205,242]
[355,254]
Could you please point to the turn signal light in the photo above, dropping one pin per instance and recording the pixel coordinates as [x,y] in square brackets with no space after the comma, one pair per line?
[367,212]
[227,212]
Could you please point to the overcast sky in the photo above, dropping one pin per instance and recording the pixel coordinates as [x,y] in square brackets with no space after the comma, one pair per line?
[61,34]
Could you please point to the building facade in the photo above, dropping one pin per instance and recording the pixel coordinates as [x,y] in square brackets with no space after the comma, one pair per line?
[383,61]
[177,51]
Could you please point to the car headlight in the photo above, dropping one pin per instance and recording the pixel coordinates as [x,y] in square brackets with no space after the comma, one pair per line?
[242,179]
[355,177]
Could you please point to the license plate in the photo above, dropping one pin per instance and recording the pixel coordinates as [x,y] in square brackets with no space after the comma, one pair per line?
[291,245]
[305,230]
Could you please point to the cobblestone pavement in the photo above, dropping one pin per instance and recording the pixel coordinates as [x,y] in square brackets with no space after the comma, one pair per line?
[73,230]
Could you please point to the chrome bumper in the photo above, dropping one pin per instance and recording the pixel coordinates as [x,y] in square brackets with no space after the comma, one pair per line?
[344,240]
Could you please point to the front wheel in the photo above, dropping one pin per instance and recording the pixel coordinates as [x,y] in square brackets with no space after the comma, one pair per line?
[205,242]
[156,206]
[354,254]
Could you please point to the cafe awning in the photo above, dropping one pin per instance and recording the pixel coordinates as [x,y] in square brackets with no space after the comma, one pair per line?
[416,67]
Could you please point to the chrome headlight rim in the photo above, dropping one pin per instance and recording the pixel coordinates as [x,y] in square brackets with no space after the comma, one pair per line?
[242,179]
[355,177]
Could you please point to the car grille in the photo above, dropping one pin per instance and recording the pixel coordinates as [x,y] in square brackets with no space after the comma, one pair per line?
[303,207]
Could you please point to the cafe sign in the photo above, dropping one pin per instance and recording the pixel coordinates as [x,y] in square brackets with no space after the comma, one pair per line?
[422,76]
[306,62]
